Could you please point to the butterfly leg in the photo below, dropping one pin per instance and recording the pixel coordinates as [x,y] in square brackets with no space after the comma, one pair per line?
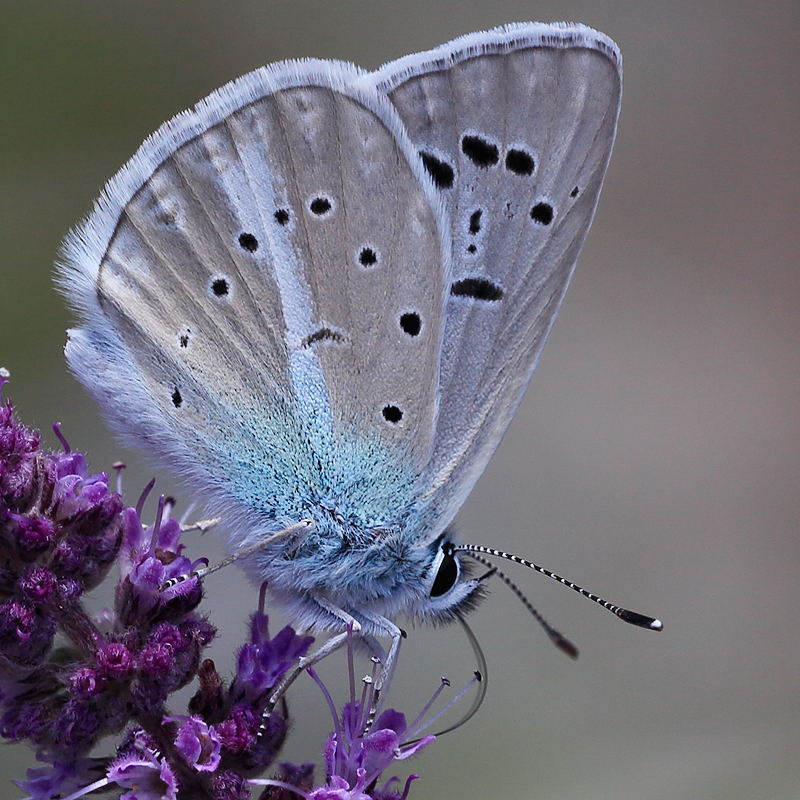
[331,646]
[293,531]
[384,627]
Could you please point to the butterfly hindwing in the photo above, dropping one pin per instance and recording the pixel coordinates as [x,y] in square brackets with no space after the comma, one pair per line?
[262,289]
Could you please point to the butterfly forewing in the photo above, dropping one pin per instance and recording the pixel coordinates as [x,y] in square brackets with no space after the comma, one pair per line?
[515,127]
[180,289]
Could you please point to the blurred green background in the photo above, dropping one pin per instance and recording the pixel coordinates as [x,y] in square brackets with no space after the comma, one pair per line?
[656,456]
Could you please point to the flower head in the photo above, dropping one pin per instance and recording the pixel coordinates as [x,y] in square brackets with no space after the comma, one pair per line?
[363,745]
[359,750]
[61,530]
[155,573]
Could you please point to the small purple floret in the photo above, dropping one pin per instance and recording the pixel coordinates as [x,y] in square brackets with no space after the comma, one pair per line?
[146,775]
[114,661]
[58,779]
[264,661]
[236,732]
[86,682]
[198,743]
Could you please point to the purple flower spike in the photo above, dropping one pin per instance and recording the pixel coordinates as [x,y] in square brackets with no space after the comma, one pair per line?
[61,530]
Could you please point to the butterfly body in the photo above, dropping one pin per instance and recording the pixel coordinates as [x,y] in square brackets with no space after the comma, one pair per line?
[320,295]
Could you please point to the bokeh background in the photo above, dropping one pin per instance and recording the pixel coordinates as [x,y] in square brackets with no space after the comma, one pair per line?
[656,456]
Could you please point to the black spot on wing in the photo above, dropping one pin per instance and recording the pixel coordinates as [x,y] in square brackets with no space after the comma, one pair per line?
[440,171]
[248,242]
[392,414]
[320,206]
[411,323]
[367,257]
[475,221]
[542,213]
[519,162]
[322,335]
[477,289]
[480,151]
[219,287]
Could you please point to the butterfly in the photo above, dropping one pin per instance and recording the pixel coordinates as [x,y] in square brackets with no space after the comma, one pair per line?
[319,295]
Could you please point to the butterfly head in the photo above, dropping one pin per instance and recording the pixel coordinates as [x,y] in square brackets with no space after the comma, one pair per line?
[449,588]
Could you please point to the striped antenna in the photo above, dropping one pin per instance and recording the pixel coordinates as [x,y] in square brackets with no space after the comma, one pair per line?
[640,620]
[556,637]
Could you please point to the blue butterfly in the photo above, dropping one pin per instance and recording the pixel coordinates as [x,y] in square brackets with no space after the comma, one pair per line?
[319,296]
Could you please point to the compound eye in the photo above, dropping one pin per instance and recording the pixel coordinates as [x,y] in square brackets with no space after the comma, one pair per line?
[446,576]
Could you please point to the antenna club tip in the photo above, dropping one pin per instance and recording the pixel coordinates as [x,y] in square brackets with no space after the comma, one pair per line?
[566,646]
[640,620]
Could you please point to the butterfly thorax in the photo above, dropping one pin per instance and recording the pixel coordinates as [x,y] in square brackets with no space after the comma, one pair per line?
[354,568]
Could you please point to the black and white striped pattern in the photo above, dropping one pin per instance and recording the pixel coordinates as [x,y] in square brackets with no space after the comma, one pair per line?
[624,614]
